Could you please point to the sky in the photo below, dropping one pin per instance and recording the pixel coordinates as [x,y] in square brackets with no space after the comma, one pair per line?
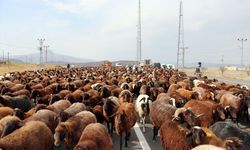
[107,29]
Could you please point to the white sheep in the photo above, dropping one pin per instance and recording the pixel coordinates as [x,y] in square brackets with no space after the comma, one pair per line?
[143,104]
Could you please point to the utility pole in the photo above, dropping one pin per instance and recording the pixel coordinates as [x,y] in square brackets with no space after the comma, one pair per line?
[139,34]
[46,53]
[180,37]
[183,56]
[41,51]
[3,55]
[222,60]
[242,41]
[8,61]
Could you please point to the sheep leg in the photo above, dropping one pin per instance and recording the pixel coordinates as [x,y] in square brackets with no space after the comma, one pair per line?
[126,139]
[120,141]
[155,132]
[108,127]
[143,124]
[112,128]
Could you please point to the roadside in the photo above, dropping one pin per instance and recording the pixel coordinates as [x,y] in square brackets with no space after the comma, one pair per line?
[21,67]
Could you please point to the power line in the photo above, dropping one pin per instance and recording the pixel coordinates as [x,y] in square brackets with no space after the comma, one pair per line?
[139,34]
[46,53]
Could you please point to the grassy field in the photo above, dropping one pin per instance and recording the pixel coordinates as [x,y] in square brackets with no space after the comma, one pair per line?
[216,72]
[20,67]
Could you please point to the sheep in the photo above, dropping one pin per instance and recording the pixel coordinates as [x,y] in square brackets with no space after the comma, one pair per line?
[58,96]
[204,94]
[196,82]
[33,134]
[95,137]
[207,147]
[5,120]
[232,104]
[143,104]
[161,111]
[110,107]
[5,111]
[225,129]
[71,111]
[125,96]
[175,137]
[20,92]
[76,96]
[206,136]
[125,119]
[186,94]
[59,106]
[49,117]
[145,90]
[98,111]
[212,112]
[23,102]
[70,130]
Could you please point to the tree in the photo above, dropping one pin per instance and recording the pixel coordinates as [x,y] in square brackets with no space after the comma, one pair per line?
[222,70]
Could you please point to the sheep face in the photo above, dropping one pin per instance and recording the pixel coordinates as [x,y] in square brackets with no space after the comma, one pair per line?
[189,117]
[197,135]
[60,134]
[219,113]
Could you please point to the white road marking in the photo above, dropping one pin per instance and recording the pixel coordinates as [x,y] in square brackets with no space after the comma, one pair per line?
[141,137]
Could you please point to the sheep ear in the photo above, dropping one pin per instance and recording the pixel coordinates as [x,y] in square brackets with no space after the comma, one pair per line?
[188,133]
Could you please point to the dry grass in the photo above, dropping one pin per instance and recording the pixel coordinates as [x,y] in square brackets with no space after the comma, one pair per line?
[20,67]
[215,72]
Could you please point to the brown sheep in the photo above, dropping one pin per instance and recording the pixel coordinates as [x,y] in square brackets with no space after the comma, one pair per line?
[110,107]
[125,119]
[58,96]
[76,96]
[59,106]
[206,136]
[98,111]
[95,137]
[204,94]
[232,104]
[20,92]
[71,111]
[161,111]
[70,131]
[5,120]
[5,111]
[173,87]
[33,134]
[186,94]
[211,111]
[175,137]
[126,96]
[49,117]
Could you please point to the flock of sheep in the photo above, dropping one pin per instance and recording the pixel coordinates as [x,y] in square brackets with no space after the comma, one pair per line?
[80,108]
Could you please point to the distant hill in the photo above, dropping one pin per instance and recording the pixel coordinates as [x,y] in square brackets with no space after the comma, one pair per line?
[53,58]
[98,63]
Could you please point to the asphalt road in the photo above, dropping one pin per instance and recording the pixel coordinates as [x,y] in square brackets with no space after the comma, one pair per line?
[232,81]
[139,140]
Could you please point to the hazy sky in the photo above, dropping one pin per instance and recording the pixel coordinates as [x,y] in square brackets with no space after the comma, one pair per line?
[106,29]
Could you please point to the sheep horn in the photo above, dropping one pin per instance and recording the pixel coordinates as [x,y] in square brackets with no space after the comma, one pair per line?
[227,107]
[199,115]
[178,111]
